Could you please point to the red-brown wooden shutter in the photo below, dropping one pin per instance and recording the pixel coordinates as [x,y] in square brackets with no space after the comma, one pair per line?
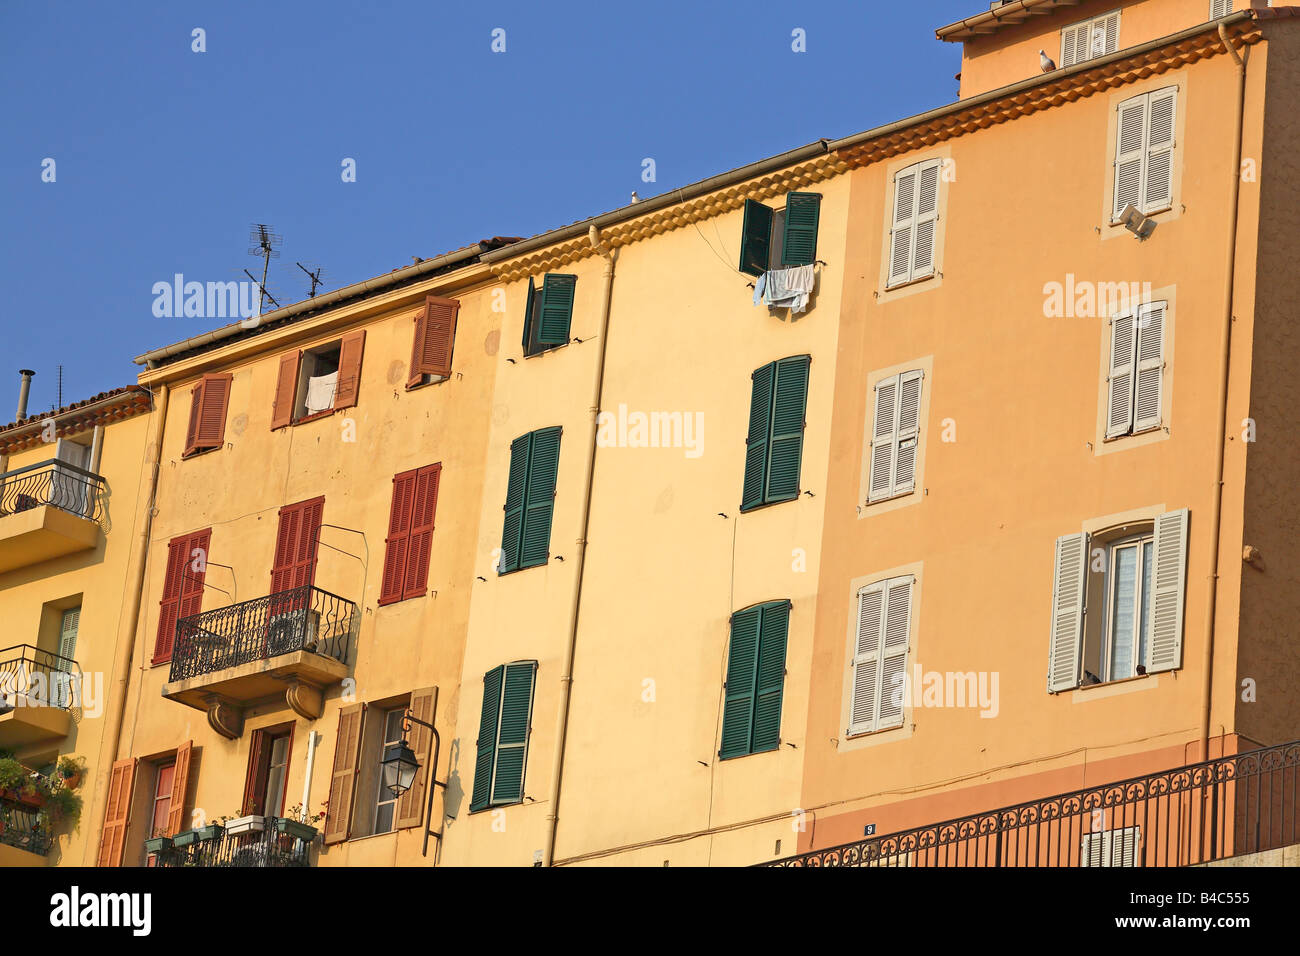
[255,779]
[417,348]
[169,606]
[295,545]
[439,335]
[176,818]
[112,837]
[191,596]
[286,390]
[421,541]
[213,398]
[399,531]
[343,781]
[349,381]
[410,809]
[192,432]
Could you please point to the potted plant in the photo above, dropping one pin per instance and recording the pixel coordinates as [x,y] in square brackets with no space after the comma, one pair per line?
[296,823]
[185,838]
[249,822]
[158,842]
[72,769]
[210,832]
[62,807]
[19,784]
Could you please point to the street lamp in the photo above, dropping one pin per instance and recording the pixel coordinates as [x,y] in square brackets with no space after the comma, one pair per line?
[399,766]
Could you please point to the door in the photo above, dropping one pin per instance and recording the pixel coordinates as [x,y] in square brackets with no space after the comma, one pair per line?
[293,575]
[70,489]
[61,678]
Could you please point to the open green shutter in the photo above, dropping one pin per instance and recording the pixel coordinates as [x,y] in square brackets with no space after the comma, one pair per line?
[539,500]
[742,663]
[512,530]
[487,738]
[802,213]
[786,449]
[756,238]
[557,309]
[512,741]
[774,625]
[528,314]
[756,442]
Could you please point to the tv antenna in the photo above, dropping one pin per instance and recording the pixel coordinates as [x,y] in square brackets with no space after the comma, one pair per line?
[263,245]
[315,277]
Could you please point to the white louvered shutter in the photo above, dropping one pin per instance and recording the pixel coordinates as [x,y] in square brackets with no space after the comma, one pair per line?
[1074,44]
[927,219]
[1106,34]
[1123,849]
[1221,8]
[907,432]
[1150,366]
[866,659]
[1130,155]
[62,690]
[1158,191]
[883,443]
[893,669]
[1119,380]
[1093,847]
[901,234]
[1168,584]
[1067,611]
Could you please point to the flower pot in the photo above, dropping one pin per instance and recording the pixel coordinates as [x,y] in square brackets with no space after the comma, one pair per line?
[253,823]
[73,782]
[210,832]
[303,831]
[35,800]
[157,844]
[185,838]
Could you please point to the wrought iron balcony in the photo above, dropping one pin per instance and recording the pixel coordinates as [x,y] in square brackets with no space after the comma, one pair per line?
[263,848]
[38,689]
[293,643]
[1188,816]
[48,510]
[20,827]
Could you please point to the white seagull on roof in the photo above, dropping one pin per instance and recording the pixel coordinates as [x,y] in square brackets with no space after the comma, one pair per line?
[1045,62]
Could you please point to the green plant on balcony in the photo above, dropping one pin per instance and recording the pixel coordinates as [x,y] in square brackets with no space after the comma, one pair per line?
[62,807]
[21,784]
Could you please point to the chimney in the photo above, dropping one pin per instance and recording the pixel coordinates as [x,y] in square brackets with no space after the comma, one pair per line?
[23,389]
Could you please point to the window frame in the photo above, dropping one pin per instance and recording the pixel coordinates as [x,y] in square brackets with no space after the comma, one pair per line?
[380,801]
[1139,541]
[534,309]
[1136,366]
[913,223]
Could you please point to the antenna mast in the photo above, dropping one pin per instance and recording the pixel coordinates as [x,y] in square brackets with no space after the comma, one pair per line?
[314,276]
[264,241]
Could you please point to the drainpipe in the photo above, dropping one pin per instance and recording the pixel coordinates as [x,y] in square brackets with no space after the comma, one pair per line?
[566,678]
[126,643]
[1224,352]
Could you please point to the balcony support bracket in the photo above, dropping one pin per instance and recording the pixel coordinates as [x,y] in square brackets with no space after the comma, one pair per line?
[225,718]
[304,698]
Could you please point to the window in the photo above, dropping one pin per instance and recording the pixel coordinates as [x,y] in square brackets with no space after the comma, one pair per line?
[267,781]
[894,435]
[1221,8]
[182,594]
[435,337]
[1111,847]
[209,400]
[1136,370]
[62,691]
[385,802]
[1144,153]
[162,799]
[502,750]
[165,808]
[296,543]
[779,238]
[318,380]
[1117,602]
[915,222]
[548,313]
[751,714]
[774,444]
[530,500]
[1089,39]
[410,534]
[72,487]
[880,655]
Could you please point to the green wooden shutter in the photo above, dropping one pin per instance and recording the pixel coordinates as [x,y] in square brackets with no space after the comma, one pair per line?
[756,442]
[756,238]
[742,664]
[487,738]
[557,309]
[786,445]
[512,531]
[512,740]
[528,315]
[802,213]
[774,625]
[539,500]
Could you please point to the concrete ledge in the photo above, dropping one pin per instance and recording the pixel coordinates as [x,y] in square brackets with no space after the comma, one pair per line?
[41,533]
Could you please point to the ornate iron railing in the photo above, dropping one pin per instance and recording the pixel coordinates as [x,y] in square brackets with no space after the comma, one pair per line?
[20,827]
[1196,814]
[52,482]
[263,848]
[303,618]
[31,677]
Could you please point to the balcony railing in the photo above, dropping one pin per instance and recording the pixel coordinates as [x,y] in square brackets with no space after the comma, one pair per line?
[265,848]
[1190,815]
[66,487]
[20,827]
[300,619]
[31,677]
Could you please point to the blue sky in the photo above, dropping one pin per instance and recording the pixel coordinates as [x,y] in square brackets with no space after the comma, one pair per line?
[164,156]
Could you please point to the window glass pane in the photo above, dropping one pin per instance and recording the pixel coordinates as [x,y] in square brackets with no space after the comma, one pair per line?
[1123,603]
[384,817]
[1144,624]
